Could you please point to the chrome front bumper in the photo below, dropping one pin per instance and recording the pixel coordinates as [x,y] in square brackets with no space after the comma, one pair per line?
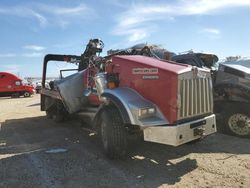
[182,133]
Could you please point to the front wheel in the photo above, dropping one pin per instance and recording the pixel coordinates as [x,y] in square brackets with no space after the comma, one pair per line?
[26,94]
[113,132]
[237,119]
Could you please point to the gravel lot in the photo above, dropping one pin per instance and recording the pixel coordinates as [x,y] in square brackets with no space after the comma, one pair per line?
[26,135]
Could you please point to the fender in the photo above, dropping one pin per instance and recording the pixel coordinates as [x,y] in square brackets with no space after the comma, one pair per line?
[129,102]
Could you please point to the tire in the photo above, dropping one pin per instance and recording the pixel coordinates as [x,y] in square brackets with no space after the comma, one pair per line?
[26,94]
[60,113]
[15,95]
[236,119]
[50,107]
[113,132]
[58,118]
[49,114]
[55,110]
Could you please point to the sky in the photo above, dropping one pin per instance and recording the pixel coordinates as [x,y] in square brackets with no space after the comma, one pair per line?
[31,29]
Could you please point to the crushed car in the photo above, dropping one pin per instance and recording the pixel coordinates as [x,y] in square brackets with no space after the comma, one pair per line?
[232,96]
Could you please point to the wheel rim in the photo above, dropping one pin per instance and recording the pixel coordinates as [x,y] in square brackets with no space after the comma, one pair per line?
[26,94]
[239,124]
[104,135]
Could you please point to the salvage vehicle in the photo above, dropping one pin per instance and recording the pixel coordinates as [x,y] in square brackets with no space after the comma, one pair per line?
[232,111]
[122,95]
[12,85]
[232,97]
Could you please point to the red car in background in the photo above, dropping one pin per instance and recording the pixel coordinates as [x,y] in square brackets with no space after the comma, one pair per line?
[12,85]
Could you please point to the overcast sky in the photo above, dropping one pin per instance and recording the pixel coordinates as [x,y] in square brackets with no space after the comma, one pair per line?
[31,29]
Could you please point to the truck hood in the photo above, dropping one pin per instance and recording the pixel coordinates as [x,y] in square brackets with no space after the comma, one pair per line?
[170,66]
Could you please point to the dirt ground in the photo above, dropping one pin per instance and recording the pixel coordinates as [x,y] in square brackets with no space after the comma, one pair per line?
[26,135]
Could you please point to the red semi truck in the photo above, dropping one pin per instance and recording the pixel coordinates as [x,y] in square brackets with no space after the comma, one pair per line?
[169,103]
[12,85]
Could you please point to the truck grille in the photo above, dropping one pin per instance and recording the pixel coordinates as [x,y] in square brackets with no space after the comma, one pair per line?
[196,97]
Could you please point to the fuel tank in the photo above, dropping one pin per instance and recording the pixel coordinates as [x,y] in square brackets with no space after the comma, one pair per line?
[156,80]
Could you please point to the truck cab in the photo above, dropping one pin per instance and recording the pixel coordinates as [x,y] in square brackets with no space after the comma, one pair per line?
[12,85]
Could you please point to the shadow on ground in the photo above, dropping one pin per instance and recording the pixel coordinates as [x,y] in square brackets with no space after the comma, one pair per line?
[36,104]
[23,143]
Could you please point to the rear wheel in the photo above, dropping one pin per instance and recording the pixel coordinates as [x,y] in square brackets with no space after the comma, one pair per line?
[15,95]
[237,119]
[49,104]
[49,114]
[55,110]
[113,132]
[60,113]
[58,118]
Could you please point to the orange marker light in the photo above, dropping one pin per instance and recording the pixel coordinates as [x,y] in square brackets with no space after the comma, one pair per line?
[111,85]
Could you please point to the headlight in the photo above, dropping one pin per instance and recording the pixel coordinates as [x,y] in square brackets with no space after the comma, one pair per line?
[142,112]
